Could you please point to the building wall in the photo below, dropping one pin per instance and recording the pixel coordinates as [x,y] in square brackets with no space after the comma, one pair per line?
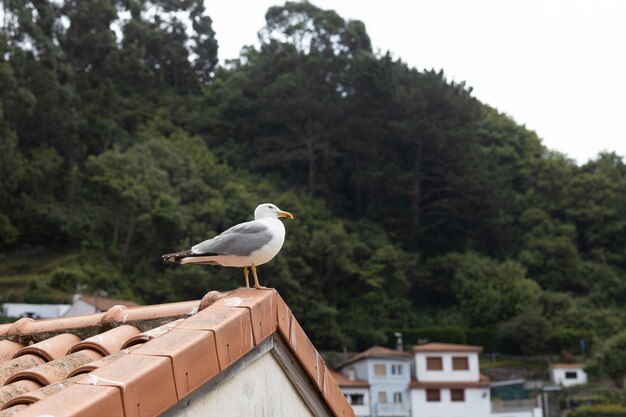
[477,404]
[389,384]
[557,375]
[37,311]
[359,410]
[261,389]
[80,308]
[447,374]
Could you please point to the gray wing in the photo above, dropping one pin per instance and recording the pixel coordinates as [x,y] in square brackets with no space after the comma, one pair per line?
[239,240]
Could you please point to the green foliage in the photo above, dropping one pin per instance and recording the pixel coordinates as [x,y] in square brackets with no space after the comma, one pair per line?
[417,206]
[569,340]
[599,410]
[610,360]
[527,334]
[432,334]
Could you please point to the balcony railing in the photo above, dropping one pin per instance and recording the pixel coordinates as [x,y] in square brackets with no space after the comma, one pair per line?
[391,410]
[510,405]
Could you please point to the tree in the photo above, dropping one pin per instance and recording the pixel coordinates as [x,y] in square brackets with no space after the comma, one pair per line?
[611,359]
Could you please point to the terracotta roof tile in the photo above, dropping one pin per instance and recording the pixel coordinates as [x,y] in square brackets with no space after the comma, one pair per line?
[8,349]
[343,381]
[41,393]
[10,368]
[50,349]
[193,355]
[79,401]
[108,342]
[143,360]
[446,347]
[10,412]
[146,383]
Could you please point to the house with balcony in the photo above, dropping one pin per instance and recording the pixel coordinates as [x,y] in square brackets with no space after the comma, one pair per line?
[447,381]
[388,375]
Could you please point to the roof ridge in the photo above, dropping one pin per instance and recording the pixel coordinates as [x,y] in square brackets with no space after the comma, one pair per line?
[210,336]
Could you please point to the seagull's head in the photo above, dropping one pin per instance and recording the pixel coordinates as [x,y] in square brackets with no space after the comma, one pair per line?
[270,210]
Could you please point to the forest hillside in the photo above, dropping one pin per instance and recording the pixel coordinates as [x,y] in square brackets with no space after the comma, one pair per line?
[417,207]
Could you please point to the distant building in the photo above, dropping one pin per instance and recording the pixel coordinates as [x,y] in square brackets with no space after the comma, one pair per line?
[388,373]
[567,374]
[448,382]
[89,304]
[35,311]
[433,380]
[356,392]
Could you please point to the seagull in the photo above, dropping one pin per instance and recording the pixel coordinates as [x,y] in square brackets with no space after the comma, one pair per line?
[248,244]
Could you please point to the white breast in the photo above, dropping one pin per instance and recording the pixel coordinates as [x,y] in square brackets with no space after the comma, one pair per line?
[267,252]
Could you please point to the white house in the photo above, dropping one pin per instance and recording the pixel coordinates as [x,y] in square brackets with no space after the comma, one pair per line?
[35,311]
[388,373]
[447,382]
[567,374]
[356,392]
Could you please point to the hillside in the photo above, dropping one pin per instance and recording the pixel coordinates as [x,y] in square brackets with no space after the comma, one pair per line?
[417,206]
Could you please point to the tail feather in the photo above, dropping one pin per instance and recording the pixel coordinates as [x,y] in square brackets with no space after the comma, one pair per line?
[177,257]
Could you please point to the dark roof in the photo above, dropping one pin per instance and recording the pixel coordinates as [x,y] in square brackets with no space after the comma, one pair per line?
[147,358]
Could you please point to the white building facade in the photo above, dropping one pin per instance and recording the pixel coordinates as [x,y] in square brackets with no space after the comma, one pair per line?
[567,374]
[448,382]
[433,380]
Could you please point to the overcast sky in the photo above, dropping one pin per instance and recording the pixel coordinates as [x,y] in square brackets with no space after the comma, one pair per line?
[556,66]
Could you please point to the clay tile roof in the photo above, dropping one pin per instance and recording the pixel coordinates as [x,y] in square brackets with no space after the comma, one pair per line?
[377,352]
[446,347]
[343,381]
[566,366]
[145,359]
[104,304]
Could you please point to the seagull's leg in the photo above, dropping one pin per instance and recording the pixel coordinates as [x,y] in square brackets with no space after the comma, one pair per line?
[245,275]
[256,279]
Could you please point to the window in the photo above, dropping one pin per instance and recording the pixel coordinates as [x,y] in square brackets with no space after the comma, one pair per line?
[396,369]
[356,399]
[382,397]
[460,363]
[571,375]
[433,395]
[457,395]
[434,363]
[379,370]
[397,397]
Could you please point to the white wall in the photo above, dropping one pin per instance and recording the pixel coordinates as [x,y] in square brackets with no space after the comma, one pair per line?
[359,410]
[477,404]
[557,375]
[261,389]
[447,374]
[81,308]
[37,311]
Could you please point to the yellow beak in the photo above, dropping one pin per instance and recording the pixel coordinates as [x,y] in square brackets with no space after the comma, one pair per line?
[285,214]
